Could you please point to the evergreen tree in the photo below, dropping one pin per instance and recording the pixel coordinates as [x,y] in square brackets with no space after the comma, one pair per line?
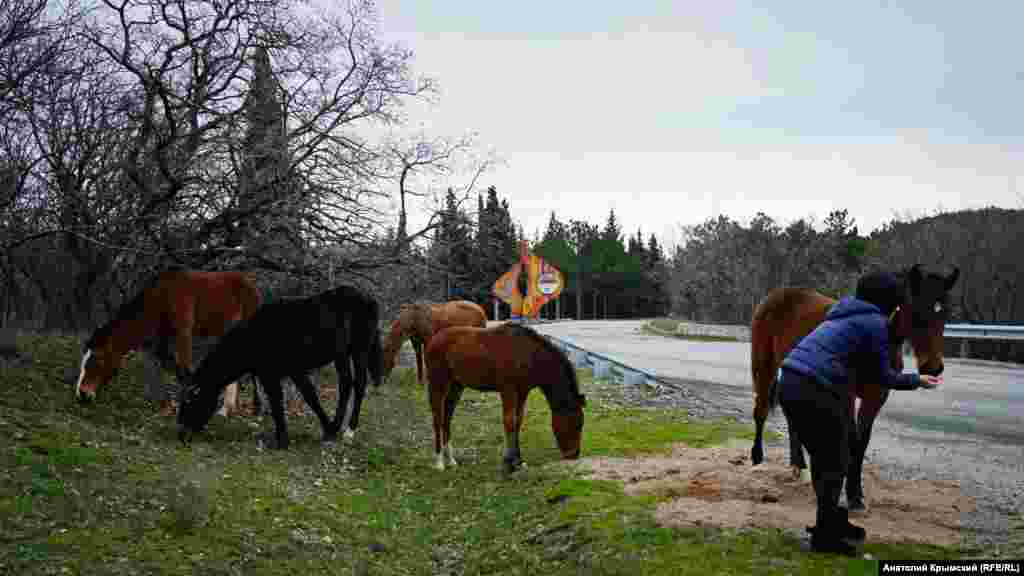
[455,249]
[636,246]
[612,232]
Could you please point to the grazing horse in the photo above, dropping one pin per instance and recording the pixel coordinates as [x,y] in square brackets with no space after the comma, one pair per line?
[511,360]
[786,315]
[179,305]
[291,337]
[421,320]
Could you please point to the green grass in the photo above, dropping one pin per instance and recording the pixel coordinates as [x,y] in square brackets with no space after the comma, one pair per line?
[667,328]
[107,489]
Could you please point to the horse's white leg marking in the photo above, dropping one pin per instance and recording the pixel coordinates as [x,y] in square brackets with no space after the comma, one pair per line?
[347,432]
[451,456]
[230,405]
[81,373]
[439,460]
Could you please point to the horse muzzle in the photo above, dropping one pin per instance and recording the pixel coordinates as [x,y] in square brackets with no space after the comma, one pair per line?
[932,368]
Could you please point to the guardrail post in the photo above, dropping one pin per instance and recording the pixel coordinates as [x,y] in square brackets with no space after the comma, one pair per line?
[964,349]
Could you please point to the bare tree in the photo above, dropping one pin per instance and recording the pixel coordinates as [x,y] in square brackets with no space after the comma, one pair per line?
[136,158]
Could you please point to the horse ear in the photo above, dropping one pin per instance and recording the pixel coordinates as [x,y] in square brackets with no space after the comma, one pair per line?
[952,278]
[915,278]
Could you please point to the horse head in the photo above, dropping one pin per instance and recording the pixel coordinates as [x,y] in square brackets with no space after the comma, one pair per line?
[190,415]
[568,429]
[392,341]
[924,315]
[100,362]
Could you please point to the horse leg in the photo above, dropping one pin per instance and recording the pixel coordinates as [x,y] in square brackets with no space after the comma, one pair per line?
[796,450]
[757,450]
[355,404]
[417,347]
[257,398]
[438,402]
[182,357]
[230,405]
[522,412]
[309,394]
[272,386]
[346,397]
[761,409]
[860,436]
[454,394]
[510,411]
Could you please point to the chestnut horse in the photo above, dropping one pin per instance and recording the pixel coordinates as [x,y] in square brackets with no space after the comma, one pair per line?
[421,320]
[291,337]
[786,315]
[511,360]
[176,304]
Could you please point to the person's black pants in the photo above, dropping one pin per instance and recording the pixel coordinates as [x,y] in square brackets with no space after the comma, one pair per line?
[820,417]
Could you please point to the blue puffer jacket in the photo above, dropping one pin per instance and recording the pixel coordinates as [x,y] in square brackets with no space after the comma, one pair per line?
[854,331]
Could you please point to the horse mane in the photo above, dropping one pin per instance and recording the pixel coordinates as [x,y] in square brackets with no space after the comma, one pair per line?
[514,329]
[133,308]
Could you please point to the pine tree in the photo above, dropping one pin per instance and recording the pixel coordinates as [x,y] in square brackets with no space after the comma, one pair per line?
[612,231]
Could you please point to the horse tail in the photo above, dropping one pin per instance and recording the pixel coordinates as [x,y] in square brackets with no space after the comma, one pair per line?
[376,353]
[762,356]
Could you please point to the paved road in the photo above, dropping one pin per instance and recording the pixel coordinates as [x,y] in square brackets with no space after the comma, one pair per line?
[971,430]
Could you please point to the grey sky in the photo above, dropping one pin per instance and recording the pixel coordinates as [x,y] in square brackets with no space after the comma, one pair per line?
[672,112]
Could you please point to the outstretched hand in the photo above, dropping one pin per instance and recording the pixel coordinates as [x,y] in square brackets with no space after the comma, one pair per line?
[930,382]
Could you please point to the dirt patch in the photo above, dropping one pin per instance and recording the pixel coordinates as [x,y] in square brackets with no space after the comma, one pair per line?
[718,487]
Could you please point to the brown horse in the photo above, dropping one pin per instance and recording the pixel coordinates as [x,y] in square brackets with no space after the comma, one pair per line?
[786,315]
[419,321]
[177,304]
[511,360]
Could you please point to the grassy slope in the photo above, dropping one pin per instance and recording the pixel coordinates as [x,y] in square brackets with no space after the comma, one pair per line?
[107,489]
[668,327]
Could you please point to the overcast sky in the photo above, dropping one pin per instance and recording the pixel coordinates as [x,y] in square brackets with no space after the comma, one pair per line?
[671,112]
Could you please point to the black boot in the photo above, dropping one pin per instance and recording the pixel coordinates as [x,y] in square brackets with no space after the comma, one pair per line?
[829,538]
[846,530]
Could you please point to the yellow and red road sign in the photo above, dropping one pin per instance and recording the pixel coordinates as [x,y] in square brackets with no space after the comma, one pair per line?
[544,283]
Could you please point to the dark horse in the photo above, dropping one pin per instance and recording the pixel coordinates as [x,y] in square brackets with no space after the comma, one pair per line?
[786,315]
[290,338]
[511,360]
[177,305]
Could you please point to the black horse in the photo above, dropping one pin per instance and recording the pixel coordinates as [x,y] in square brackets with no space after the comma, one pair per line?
[290,338]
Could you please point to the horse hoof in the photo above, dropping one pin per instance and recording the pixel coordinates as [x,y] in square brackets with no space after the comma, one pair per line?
[439,464]
[857,508]
[348,435]
[270,441]
[756,455]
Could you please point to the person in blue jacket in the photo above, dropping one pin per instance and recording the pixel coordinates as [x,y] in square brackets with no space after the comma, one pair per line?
[814,391]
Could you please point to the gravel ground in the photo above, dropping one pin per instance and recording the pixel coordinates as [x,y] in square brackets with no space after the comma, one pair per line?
[914,454]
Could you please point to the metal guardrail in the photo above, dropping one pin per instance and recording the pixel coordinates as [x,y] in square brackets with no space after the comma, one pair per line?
[984,331]
[601,364]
